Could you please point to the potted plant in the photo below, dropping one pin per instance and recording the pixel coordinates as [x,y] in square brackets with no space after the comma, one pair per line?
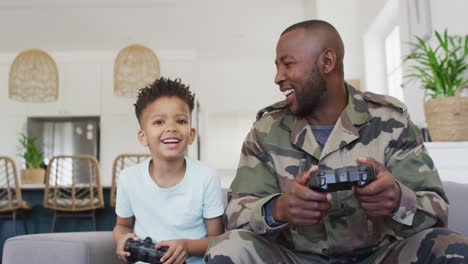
[440,71]
[33,156]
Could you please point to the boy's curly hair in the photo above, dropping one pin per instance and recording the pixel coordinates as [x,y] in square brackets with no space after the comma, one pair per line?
[163,87]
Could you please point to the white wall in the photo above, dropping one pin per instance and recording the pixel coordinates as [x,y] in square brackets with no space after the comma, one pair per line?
[449,14]
[344,16]
[381,24]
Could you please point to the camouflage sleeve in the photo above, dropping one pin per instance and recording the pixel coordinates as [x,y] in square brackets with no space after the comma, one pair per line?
[423,201]
[254,185]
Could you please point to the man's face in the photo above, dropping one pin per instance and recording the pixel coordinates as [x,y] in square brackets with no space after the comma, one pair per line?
[298,76]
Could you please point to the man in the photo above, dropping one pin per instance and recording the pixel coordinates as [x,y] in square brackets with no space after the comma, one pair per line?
[273,217]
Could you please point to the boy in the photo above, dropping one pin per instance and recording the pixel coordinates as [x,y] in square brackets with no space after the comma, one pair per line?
[172,199]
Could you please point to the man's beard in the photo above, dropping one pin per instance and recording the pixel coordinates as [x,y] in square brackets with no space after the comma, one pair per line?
[313,91]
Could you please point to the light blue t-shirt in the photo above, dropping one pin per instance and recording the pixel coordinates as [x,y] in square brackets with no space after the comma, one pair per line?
[173,213]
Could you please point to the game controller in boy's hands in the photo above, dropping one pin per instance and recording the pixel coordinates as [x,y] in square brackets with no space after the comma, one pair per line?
[144,250]
[332,180]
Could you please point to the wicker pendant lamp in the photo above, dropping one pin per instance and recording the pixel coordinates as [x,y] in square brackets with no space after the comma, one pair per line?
[33,77]
[135,67]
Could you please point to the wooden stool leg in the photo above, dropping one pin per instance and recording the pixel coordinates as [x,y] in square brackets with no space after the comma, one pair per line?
[23,214]
[13,216]
[53,221]
[93,215]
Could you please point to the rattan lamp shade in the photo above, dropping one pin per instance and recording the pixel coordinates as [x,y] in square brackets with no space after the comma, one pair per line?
[135,67]
[33,77]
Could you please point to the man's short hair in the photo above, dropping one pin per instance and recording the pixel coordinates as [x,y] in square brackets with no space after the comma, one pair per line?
[311,24]
[314,24]
[163,87]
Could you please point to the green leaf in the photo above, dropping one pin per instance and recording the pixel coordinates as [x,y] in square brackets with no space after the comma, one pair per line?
[32,155]
[440,69]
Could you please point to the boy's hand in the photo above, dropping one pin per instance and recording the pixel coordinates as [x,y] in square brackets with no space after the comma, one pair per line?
[121,253]
[176,253]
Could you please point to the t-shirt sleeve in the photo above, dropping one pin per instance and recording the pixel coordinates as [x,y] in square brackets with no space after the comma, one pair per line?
[212,198]
[123,206]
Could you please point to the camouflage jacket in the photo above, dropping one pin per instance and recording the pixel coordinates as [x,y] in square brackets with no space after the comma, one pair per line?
[370,126]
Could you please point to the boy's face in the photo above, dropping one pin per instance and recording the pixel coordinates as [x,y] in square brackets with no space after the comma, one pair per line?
[165,128]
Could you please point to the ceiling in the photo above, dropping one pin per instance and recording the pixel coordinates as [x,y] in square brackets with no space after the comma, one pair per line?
[213,28]
[84,3]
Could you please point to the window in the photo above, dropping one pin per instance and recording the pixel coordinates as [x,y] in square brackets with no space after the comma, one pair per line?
[393,63]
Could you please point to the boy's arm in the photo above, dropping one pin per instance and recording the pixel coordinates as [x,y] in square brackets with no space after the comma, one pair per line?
[181,248]
[123,230]
[214,228]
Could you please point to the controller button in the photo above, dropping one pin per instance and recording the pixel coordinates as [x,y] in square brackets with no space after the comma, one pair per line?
[322,181]
[364,176]
[343,176]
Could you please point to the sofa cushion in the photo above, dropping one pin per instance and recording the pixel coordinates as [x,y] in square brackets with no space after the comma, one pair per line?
[70,248]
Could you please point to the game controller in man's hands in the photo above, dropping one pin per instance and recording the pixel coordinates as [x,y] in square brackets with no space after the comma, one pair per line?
[144,250]
[341,179]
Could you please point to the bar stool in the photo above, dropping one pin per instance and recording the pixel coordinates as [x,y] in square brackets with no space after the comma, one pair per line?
[11,200]
[73,188]
[121,162]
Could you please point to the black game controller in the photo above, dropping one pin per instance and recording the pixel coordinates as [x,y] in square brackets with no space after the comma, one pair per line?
[341,179]
[144,250]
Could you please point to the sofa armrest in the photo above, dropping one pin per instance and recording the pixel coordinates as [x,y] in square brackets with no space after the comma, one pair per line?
[457,194]
[72,248]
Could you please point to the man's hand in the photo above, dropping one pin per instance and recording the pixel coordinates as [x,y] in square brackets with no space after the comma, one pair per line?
[121,253]
[176,253]
[299,205]
[380,197]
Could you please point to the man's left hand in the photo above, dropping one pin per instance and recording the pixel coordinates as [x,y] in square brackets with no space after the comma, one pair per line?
[380,197]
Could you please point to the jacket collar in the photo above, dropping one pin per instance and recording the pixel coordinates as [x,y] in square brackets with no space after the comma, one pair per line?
[345,131]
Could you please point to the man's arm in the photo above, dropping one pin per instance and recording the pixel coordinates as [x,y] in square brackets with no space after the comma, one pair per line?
[253,186]
[256,186]
[423,203]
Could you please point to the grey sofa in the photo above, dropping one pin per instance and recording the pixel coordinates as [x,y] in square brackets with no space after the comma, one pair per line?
[458,212]
[70,248]
[98,247]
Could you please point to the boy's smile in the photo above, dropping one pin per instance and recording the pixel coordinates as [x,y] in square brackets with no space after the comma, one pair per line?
[171,143]
[166,129]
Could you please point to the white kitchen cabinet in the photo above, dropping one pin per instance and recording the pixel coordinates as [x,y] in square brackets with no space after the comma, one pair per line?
[118,136]
[9,107]
[79,92]
[111,103]
[228,86]
[11,128]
